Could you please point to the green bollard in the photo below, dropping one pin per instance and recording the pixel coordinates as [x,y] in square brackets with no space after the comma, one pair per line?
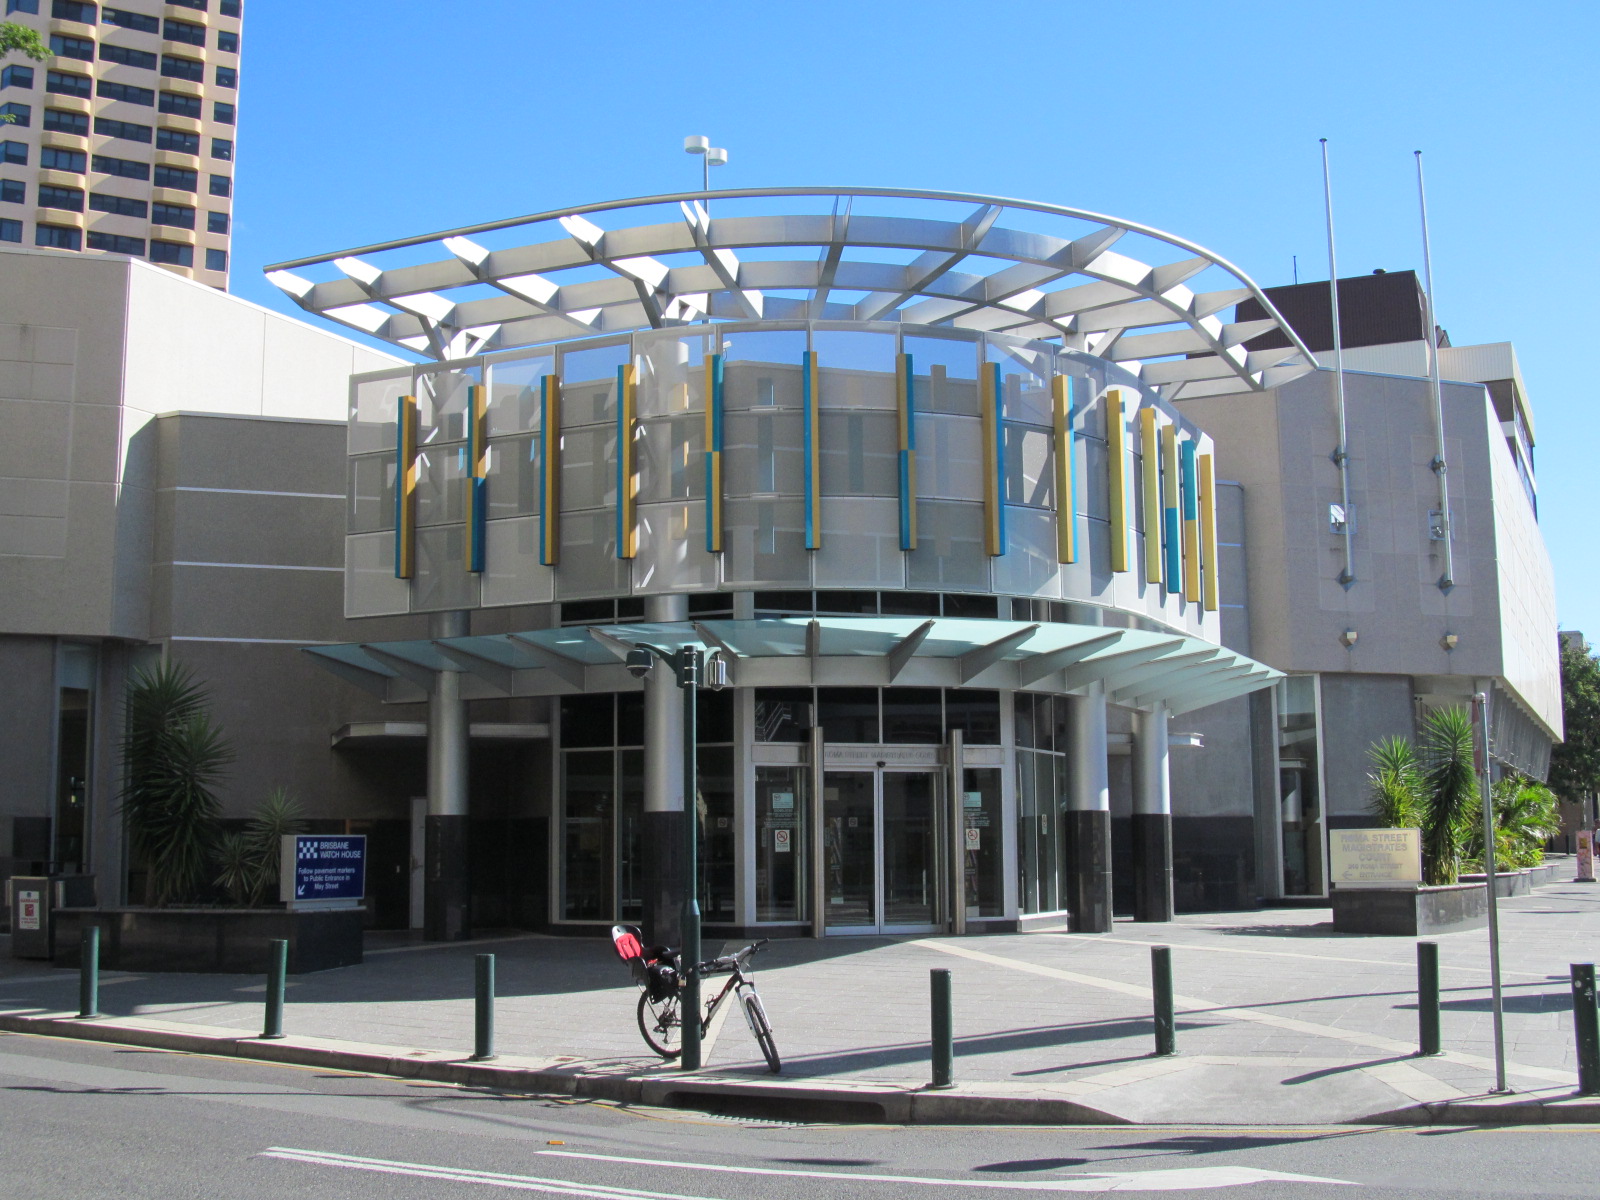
[1586,1024]
[1427,999]
[944,1042]
[277,975]
[1161,988]
[483,1023]
[89,974]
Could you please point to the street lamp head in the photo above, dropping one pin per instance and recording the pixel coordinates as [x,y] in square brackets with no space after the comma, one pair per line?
[716,156]
[716,672]
[696,144]
[639,662]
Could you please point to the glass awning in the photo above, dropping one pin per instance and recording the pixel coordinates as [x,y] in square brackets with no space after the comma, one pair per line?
[1137,668]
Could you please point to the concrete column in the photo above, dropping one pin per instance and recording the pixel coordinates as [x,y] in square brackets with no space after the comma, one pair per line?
[1152,818]
[1087,820]
[447,903]
[661,839]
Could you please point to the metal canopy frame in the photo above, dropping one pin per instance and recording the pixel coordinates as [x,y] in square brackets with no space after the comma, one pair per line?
[1137,668]
[985,265]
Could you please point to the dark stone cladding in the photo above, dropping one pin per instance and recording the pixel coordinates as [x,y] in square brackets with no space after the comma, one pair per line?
[228,941]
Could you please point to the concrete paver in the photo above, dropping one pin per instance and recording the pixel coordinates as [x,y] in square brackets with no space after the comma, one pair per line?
[1279,1018]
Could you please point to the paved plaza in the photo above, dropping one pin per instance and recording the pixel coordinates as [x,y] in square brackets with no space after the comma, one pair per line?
[1279,1018]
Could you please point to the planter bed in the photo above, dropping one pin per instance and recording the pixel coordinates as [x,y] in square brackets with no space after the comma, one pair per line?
[222,940]
[1410,911]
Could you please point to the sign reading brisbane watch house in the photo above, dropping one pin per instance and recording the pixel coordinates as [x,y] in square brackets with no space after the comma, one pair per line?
[316,869]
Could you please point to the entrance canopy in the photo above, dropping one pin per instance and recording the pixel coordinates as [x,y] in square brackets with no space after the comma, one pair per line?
[1138,668]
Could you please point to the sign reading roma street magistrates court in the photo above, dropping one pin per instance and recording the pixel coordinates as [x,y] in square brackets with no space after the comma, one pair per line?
[1375,857]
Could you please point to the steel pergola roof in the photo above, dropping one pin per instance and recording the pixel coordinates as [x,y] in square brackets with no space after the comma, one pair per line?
[927,258]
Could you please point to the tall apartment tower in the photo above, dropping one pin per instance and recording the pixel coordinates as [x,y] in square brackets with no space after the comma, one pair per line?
[123,140]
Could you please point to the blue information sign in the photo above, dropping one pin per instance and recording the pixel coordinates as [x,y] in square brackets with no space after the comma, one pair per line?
[318,867]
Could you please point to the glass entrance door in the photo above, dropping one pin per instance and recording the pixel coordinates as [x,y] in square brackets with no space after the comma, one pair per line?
[881,852]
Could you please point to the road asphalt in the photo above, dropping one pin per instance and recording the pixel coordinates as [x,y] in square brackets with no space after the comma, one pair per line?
[1279,1020]
[82,1119]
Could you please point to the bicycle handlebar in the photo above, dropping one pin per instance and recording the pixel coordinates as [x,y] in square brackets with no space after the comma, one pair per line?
[729,962]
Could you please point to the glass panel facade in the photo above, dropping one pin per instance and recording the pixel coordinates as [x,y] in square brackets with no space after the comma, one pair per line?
[515,391]
[1300,787]
[1040,727]
[783,845]
[588,811]
[982,851]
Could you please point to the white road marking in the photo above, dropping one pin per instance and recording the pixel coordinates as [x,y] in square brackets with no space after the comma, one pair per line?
[1117,1181]
[1276,1020]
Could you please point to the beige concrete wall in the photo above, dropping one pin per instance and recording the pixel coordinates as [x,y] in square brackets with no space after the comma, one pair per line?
[1501,608]
[91,348]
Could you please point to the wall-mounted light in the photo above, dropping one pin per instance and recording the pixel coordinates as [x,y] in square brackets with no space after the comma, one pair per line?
[1348,637]
[1448,641]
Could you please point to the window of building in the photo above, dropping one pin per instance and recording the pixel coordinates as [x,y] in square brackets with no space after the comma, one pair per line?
[10,230]
[227,77]
[64,84]
[181,178]
[184,31]
[22,6]
[117,243]
[221,185]
[216,260]
[123,206]
[142,59]
[58,237]
[222,112]
[21,115]
[125,92]
[217,222]
[13,191]
[70,47]
[222,148]
[125,167]
[181,106]
[177,141]
[14,152]
[197,5]
[53,159]
[227,42]
[172,214]
[16,76]
[127,130]
[74,10]
[172,252]
[229,8]
[59,120]
[130,20]
[70,199]
[174,67]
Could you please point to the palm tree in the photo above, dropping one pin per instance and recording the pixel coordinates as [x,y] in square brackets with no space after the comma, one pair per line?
[173,756]
[1395,784]
[1449,793]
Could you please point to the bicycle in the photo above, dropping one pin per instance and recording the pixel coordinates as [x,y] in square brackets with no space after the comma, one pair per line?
[658,970]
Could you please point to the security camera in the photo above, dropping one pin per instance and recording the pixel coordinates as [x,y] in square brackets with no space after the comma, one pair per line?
[639,662]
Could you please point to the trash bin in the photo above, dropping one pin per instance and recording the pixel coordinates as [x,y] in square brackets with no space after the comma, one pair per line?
[33,900]
[30,916]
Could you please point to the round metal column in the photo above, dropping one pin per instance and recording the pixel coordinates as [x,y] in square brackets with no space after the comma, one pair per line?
[1087,821]
[1152,818]
[447,904]
[660,840]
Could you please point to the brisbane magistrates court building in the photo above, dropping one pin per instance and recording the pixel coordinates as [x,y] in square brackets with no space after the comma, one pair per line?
[1043,585]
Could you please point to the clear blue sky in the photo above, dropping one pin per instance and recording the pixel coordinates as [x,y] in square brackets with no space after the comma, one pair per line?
[361,122]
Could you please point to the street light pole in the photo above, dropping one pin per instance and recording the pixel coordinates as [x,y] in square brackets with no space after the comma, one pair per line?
[687,669]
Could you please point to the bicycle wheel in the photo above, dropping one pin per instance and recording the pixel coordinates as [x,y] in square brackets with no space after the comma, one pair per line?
[661,1025]
[756,1017]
